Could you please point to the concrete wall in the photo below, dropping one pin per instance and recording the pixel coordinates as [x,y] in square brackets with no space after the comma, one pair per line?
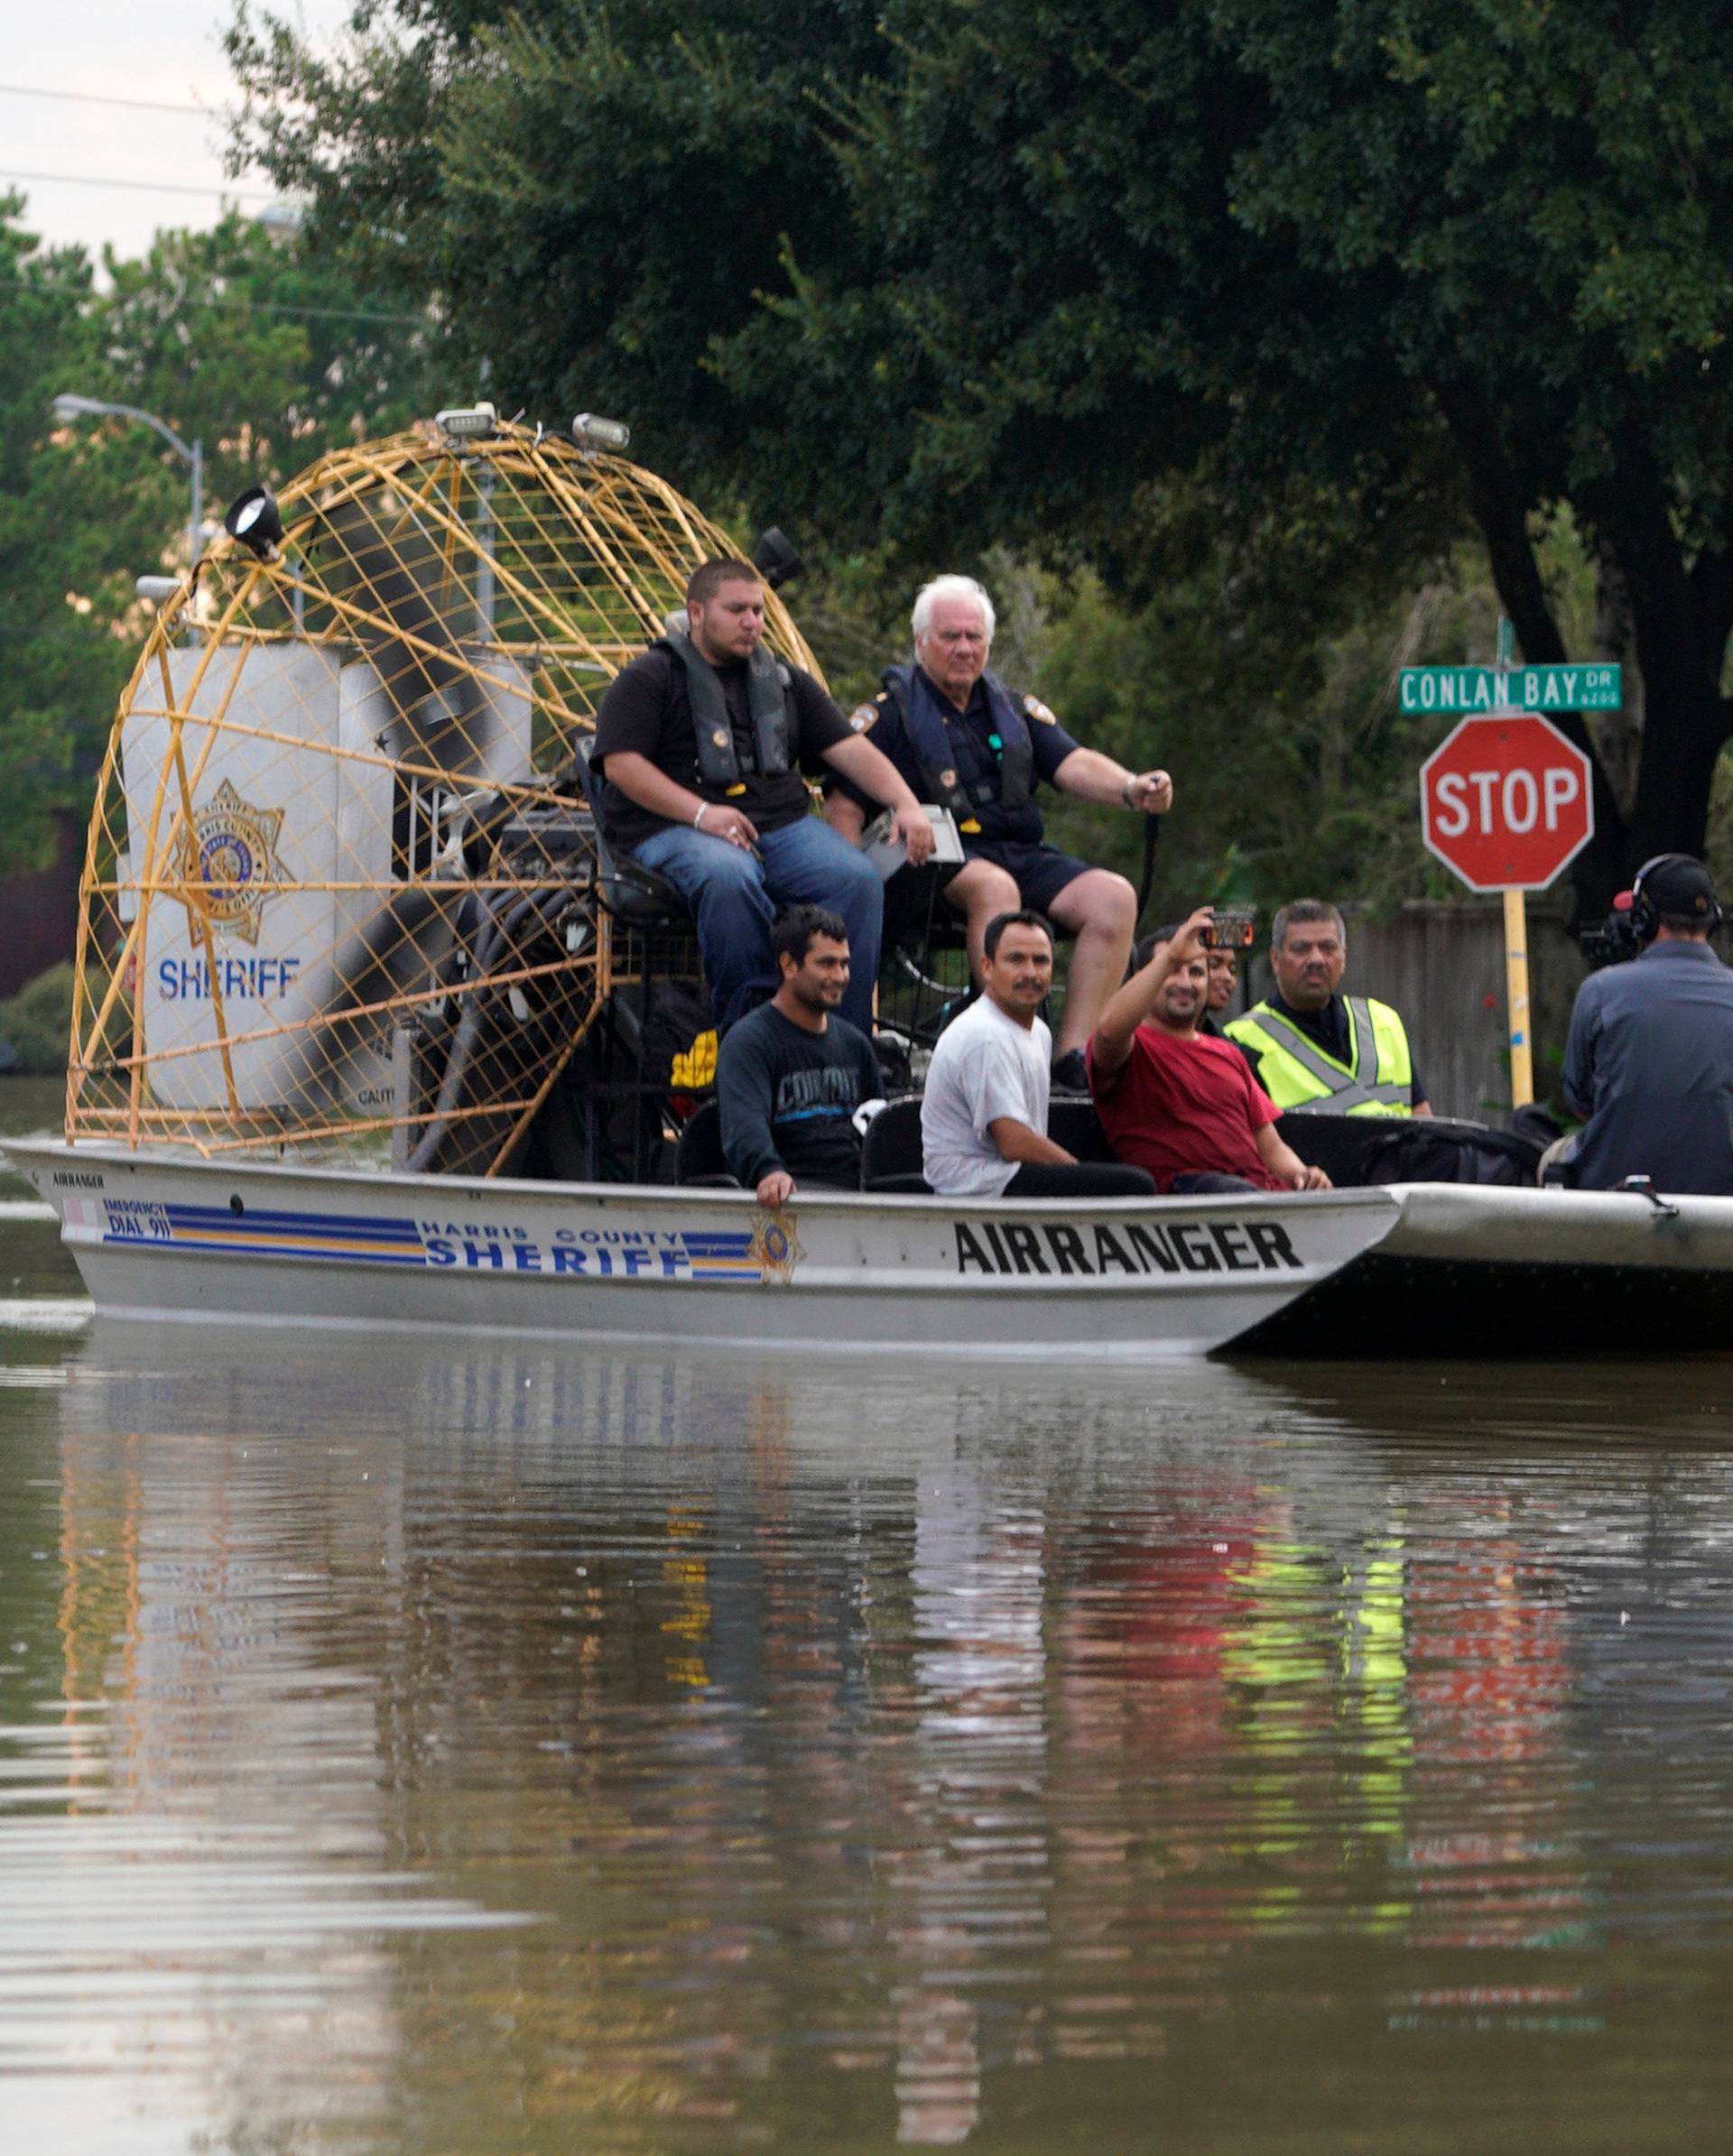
[1441,964]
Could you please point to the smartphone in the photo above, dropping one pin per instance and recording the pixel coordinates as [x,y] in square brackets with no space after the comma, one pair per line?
[1233,929]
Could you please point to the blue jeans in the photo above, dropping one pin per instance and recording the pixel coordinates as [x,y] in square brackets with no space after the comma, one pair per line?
[735,895]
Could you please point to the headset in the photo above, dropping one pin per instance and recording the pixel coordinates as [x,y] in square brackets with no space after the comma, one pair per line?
[1646,922]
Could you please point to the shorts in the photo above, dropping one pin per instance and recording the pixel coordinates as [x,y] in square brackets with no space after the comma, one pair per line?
[1041,872]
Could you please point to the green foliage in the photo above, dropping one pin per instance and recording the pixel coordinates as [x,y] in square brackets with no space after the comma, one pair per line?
[262,352]
[65,544]
[38,1023]
[266,354]
[596,197]
[1320,280]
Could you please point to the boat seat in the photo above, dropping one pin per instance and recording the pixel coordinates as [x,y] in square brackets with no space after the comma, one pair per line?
[698,1158]
[890,1154]
[1072,1123]
[629,890]
[1336,1144]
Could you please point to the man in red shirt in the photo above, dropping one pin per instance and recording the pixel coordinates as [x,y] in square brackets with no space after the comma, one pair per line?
[1178,1101]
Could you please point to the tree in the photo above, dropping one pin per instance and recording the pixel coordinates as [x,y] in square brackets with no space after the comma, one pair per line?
[596,200]
[234,340]
[1362,270]
[66,541]
[268,355]
[1396,253]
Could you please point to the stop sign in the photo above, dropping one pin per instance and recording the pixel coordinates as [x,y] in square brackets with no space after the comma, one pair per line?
[1506,801]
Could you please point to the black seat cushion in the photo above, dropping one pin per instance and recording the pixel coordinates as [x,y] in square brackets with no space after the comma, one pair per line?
[1072,1123]
[890,1154]
[1336,1144]
[627,889]
[698,1158]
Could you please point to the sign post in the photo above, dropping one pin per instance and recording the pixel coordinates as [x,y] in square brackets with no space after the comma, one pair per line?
[1506,801]
[1522,1052]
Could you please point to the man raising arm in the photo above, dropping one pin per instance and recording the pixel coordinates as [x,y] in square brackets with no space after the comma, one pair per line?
[1176,1101]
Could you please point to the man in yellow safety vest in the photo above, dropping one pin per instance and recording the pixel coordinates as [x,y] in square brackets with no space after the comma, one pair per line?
[1312,1049]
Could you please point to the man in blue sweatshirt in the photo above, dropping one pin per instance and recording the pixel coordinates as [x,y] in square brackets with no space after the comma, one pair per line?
[789,1076]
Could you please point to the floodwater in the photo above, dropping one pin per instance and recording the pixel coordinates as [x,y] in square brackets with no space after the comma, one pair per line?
[439,1750]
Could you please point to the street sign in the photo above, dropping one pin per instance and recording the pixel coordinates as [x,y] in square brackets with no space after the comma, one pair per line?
[1469,689]
[1506,801]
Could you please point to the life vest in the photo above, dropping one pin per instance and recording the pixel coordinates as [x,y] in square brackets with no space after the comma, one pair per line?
[767,684]
[1298,1074]
[1008,745]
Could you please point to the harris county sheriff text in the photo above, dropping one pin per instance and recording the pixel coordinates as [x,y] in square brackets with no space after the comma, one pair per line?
[1011,1246]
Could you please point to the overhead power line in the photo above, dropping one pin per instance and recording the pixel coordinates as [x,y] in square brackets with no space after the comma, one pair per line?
[238,303]
[27,89]
[148,187]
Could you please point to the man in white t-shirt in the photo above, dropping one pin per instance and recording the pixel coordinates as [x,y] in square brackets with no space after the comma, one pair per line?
[984,1112]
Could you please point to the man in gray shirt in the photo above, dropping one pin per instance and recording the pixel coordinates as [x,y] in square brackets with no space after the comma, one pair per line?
[1649,1059]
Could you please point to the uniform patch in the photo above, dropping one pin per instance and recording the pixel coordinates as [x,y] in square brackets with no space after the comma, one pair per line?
[1033,706]
[863,718]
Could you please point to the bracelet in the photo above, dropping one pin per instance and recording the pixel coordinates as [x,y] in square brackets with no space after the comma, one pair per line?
[698,821]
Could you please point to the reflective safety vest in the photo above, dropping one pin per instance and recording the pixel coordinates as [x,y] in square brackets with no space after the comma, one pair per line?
[767,686]
[1298,1074]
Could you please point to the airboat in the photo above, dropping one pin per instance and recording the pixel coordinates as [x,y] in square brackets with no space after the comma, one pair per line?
[371,1031]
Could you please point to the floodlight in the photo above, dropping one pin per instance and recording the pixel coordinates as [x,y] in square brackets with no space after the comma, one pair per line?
[590,430]
[775,558]
[466,423]
[158,590]
[254,519]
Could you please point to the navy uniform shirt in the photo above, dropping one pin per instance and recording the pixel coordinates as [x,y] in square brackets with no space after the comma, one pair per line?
[1649,1060]
[974,758]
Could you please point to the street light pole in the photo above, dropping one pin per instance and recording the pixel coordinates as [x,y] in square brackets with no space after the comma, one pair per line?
[68,406]
[197,502]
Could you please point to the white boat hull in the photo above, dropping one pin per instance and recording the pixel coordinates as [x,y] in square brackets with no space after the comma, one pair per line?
[1484,1270]
[160,1236]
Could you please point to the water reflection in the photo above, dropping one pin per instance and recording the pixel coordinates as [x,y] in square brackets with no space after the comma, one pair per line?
[418,1750]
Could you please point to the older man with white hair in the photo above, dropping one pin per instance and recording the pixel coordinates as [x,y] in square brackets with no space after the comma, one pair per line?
[967,743]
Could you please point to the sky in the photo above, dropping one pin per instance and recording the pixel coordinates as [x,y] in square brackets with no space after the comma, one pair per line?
[118,172]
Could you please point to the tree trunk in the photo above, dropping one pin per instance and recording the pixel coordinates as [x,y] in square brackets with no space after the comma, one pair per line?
[1681,619]
[1500,509]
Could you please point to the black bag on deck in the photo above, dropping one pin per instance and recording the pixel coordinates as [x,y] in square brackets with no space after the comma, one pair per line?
[1430,1149]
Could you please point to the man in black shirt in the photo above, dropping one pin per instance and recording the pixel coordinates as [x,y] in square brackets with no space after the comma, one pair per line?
[789,1076]
[965,742]
[700,743]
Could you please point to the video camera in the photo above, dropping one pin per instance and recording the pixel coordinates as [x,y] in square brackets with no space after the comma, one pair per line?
[1614,941]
